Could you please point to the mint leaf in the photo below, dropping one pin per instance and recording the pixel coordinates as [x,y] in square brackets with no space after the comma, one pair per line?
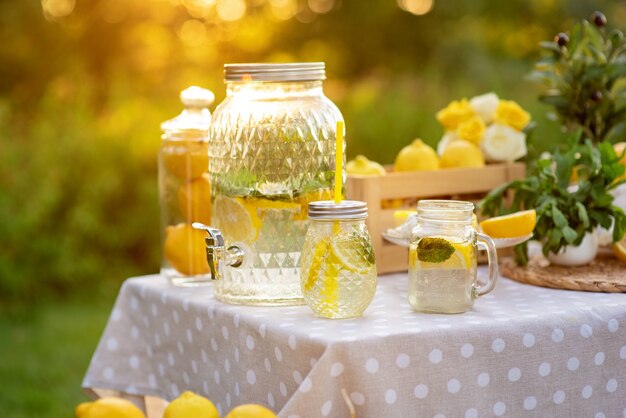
[434,250]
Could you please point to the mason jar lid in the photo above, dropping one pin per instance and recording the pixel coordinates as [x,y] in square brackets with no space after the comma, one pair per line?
[297,71]
[344,210]
[445,210]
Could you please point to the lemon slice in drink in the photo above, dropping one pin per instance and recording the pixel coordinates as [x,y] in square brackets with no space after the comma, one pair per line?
[233,218]
[319,254]
[460,256]
[354,254]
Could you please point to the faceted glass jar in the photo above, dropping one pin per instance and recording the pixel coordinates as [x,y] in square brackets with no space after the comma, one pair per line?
[185,190]
[442,258]
[272,150]
[338,275]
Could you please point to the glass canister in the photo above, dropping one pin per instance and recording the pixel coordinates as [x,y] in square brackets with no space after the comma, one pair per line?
[272,150]
[442,258]
[185,189]
[338,270]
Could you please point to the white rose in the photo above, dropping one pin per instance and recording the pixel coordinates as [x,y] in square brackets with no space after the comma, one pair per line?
[503,143]
[485,106]
[445,141]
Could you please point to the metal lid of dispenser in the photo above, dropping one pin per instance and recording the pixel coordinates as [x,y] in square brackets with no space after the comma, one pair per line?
[344,210]
[195,116]
[297,71]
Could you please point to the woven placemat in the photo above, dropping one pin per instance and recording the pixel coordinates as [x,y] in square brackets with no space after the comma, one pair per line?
[604,274]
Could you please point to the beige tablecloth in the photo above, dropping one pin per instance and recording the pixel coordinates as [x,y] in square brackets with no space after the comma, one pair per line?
[522,351]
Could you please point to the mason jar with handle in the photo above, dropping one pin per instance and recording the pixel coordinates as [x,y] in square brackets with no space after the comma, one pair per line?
[442,258]
[272,150]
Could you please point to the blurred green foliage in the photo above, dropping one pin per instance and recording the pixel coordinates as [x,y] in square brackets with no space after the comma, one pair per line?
[85,84]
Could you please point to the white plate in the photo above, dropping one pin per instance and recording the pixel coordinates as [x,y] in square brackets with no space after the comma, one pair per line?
[499,242]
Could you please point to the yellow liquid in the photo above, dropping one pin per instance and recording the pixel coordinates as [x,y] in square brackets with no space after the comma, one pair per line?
[445,287]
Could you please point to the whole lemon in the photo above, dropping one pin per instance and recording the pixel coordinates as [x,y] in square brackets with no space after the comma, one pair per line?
[194,200]
[108,407]
[190,405]
[250,411]
[415,157]
[186,160]
[363,167]
[184,248]
[461,153]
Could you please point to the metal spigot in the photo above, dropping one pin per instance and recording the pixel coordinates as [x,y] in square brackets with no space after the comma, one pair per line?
[217,254]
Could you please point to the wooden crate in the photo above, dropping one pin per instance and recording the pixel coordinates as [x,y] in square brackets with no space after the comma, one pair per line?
[455,183]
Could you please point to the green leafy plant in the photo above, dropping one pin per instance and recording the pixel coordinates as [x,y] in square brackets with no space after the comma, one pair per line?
[565,213]
[584,73]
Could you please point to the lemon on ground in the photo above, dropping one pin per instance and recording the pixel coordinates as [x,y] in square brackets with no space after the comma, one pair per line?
[194,200]
[237,219]
[250,411]
[186,160]
[462,153]
[184,248]
[415,157]
[190,405]
[363,167]
[514,225]
[108,407]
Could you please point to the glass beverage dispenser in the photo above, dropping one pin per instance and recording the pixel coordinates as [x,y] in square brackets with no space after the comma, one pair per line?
[271,151]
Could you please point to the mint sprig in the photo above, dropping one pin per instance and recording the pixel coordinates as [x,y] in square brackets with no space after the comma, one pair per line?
[434,250]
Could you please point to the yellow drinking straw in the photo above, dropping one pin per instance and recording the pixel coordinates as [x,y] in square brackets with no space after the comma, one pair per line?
[339,162]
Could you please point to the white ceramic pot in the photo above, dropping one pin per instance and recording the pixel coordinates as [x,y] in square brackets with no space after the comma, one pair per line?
[577,255]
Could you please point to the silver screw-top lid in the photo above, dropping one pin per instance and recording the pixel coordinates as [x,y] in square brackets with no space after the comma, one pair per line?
[297,71]
[344,210]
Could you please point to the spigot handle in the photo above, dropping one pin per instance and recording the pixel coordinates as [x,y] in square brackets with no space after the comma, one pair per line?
[217,254]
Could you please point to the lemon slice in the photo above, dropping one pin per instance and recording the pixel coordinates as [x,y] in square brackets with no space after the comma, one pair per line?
[354,255]
[461,258]
[234,219]
[319,253]
[510,226]
[619,249]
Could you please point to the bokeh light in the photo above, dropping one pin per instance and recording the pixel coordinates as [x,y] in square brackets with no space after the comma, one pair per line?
[416,7]
[284,9]
[57,8]
[231,10]
[321,6]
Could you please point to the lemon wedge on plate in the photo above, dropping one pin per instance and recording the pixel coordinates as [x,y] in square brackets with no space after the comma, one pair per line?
[510,226]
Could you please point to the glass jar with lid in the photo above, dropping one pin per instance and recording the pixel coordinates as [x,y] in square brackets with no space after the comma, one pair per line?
[338,270]
[185,189]
[272,150]
[442,258]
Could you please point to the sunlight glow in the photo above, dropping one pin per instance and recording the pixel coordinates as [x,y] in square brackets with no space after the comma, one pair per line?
[57,8]
[193,32]
[284,9]
[231,10]
[416,7]
[321,6]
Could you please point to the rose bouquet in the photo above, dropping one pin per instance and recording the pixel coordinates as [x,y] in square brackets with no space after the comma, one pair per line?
[497,127]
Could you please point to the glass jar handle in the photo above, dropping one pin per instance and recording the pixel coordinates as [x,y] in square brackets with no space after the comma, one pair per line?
[485,242]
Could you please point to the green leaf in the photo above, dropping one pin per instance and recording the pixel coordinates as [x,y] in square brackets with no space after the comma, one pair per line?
[560,221]
[434,250]
[569,234]
[582,215]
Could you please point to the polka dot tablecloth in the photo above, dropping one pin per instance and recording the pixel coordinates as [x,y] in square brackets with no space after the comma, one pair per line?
[522,351]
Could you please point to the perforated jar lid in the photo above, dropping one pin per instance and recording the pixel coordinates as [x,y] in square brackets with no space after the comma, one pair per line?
[296,71]
[344,210]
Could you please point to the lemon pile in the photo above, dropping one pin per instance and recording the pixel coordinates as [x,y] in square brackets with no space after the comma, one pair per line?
[187,405]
